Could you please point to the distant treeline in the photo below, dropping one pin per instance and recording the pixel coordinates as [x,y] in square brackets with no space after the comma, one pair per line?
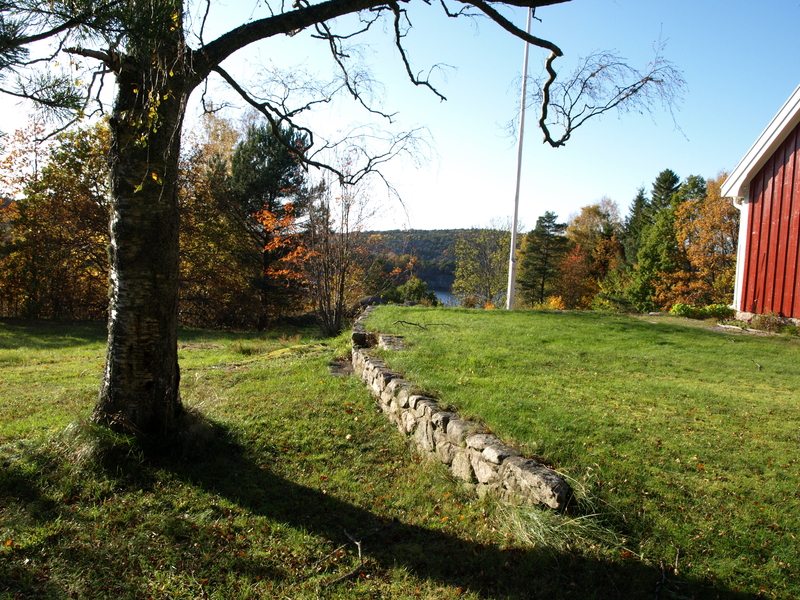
[430,252]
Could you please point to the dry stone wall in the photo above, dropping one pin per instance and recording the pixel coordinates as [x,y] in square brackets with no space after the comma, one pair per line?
[473,455]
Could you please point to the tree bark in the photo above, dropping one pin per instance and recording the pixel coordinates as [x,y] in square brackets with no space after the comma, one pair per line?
[140,388]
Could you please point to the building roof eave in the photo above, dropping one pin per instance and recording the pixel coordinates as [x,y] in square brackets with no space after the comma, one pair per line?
[771,138]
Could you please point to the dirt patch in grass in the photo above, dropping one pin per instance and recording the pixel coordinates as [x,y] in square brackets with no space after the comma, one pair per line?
[341,367]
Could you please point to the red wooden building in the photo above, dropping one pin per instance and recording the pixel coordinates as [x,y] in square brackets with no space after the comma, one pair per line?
[765,186]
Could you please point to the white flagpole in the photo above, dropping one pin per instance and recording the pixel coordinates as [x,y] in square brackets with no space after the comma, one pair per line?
[512,259]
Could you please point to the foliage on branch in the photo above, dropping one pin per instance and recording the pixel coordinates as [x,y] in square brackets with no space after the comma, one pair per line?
[482,265]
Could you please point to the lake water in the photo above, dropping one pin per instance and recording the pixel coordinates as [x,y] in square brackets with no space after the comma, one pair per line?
[446,298]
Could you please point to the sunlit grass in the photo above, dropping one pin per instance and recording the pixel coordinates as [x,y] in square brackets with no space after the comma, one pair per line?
[684,440]
[259,509]
[279,459]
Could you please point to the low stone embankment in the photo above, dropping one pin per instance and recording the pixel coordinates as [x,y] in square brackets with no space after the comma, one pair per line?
[472,454]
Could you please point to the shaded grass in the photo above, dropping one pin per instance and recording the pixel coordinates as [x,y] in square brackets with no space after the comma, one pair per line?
[287,459]
[683,439]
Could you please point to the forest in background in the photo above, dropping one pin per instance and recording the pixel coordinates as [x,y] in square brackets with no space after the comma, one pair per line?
[261,242]
[431,253]
[676,246]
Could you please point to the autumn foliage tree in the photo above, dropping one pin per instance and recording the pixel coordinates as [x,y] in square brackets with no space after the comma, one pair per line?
[214,290]
[574,285]
[593,235]
[706,230]
[53,260]
[482,265]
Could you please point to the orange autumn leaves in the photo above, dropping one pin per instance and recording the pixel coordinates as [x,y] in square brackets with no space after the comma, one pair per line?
[707,231]
[285,241]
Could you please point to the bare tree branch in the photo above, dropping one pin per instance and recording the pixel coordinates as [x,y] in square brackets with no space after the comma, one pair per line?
[398,41]
[357,142]
[603,81]
[324,32]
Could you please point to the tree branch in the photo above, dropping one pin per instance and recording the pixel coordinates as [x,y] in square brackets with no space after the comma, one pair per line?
[604,81]
[548,65]
[398,36]
[206,58]
[218,50]
[513,29]
[338,55]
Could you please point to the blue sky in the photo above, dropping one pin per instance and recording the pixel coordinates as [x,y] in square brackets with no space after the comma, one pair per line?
[739,59]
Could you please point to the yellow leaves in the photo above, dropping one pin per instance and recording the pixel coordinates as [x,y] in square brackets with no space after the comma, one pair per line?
[707,229]
[156,178]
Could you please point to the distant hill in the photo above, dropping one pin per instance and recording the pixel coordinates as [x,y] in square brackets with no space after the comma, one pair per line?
[433,249]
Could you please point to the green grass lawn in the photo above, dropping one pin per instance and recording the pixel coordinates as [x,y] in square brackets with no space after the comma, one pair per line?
[684,441]
[286,463]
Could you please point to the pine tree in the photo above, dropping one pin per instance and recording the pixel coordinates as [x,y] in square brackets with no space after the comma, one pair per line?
[267,188]
[660,255]
[665,185]
[541,251]
[635,222]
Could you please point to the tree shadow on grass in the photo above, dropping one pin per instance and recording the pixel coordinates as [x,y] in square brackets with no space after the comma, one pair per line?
[50,335]
[457,561]
[226,469]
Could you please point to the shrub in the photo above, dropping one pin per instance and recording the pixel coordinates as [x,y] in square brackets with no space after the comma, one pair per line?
[712,311]
[686,310]
[770,321]
[470,301]
[718,311]
[790,329]
[551,303]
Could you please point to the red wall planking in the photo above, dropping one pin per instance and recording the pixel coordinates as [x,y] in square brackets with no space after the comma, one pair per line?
[772,259]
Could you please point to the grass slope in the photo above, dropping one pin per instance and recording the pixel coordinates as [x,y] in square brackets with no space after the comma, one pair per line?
[262,496]
[682,439]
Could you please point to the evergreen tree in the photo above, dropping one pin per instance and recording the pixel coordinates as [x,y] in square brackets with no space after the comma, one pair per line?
[265,173]
[693,189]
[657,255]
[215,290]
[665,185]
[542,250]
[268,182]
[635,222]
[660,255]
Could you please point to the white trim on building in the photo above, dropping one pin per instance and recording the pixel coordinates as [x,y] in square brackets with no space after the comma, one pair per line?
[738,182]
